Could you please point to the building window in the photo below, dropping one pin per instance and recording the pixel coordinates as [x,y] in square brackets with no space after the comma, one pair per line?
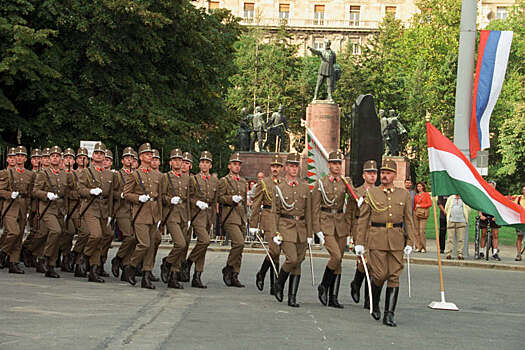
[213,5]
[319,43]
[319,15]
[390,11]
[284,13]
[501,13]
[355,45]
[249,11]
[354,15]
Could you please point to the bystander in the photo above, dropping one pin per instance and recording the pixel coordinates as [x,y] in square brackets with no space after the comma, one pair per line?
[457,219]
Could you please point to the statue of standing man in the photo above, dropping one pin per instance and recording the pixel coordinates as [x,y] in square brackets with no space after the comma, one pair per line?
[276,130]
[258,125]
[243,134]
[326,69]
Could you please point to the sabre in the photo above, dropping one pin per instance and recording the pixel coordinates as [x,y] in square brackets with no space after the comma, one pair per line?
[367,282]
[311,264]
[408,271]
[267,254]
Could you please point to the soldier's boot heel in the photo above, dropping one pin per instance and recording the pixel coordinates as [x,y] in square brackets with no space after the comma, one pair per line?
[93,274]
[334,292]
[101,272]
[50,270]
[355,285]
[41,264]
[196,281]
[279,286]
[129,274]
[376,296]
[187,270]
[173,281]
[146,281]
[322,289]
[15,268]
[235,280]
[390,306]
[227,275]
[165,269]
[293,286]
[115,266]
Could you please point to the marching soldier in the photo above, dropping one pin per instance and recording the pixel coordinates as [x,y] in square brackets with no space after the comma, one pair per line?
[330,225]
[155,161]
[203,203]
[108,239]
[142,188]
[96,190]
[27,257]
[175,193]
[135,160]
[292,223]
[51,188]
[370,177]
[108,160]
[232,196]
[72,204]
[15,189]
[187,163]
[11,164]
[123,215]
[380,228]
[261,217]
[45,160]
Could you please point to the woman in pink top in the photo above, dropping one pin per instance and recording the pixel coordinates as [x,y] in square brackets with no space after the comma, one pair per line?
[422,203]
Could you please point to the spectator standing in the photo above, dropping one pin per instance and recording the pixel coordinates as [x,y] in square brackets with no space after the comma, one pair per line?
[409,186]
[442,200]
[457,219]
[520,200]
[421,205]
[487,220]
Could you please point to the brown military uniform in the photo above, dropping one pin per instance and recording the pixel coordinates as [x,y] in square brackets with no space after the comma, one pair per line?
[123,216]
[361,193]
[380,230]
[72,206]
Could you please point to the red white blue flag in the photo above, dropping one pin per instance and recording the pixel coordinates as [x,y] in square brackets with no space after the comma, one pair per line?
[493,56]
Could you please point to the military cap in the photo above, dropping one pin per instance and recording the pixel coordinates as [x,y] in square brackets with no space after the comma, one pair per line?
[109,154]
[187,157]
[36,153]
[135,155]
[336,156]
[99,147]
[128,151]
[293,158]
[11,151]
[389,164]
[156,153]
[145,147]
[176,153]
[46,152]
[21,150]
[82,151]
[370,165]
[206,156]
[55,149]
[69,152]
[276,160]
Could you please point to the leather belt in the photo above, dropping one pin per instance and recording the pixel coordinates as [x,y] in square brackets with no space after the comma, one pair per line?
[387,225]
[332,211]
[267,206]
[292,217]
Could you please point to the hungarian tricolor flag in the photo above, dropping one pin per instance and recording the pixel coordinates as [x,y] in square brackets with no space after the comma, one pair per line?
[452,173]
[317,160]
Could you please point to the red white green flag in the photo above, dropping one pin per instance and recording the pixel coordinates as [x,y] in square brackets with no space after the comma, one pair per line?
[317,161]
[452,173]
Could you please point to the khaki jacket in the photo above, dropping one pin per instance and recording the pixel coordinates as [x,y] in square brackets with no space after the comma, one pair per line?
[172,185]
[262,203]
[121,206]
[229,187]
[48,180]
[205,190]
[19,180]
[90,178]
[327,212]
[151,210]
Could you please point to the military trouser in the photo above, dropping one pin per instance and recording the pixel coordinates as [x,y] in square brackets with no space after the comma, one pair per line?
[236,234]
[147,237]
[37,242]
[295,254]
[66,239]
[98,232]
[273,248]
[198,253]
[12,238]
[106,244]
[359,264]
[128,242]
[180,244]
[82,239]
[335,246]
[54,224]
[386,265]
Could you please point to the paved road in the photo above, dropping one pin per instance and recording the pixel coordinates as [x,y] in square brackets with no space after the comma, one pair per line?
[70,313]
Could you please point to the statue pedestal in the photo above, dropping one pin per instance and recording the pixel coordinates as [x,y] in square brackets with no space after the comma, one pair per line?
[254,162]
[403,170]
[324,119]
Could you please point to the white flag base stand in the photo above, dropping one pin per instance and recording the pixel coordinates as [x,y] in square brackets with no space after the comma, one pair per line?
[443,305]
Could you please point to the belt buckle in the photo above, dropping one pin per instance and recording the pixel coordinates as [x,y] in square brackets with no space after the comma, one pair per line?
[389,225]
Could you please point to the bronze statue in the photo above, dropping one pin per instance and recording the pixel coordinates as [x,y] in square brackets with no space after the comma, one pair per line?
[276,130]
[258,124]
[243,134]
[327,70]
[392,129]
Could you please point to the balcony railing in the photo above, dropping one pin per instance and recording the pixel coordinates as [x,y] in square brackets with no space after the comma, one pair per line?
[313,23]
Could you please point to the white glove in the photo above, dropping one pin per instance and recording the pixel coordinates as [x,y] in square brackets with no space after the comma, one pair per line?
[360,201]
[109,220]
[95,191]
[143,198]
[359,249]
[175,200]
[310,240]
[277,240]
[122,195]
[254,230]
[158,226]
[51,196]
[189,224]
[202,205]
[14,195]
[321,237]
[236,198]
[407,250]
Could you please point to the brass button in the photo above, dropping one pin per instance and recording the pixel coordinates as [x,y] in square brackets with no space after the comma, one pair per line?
[390,206]
[389,214]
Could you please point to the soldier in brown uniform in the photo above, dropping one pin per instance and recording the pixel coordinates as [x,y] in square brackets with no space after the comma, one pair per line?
[72,206]
[187,163]
[330,223]
[155,160]
[232,195]
[122,214]
[261,218]
[15,189]
[96,191]
[202,208]
[142,189]
[108,160]
[135,161]
[107,239]
[292,223]
[52,188]
[380,229]
[27,256]
[11,164]
[370,177]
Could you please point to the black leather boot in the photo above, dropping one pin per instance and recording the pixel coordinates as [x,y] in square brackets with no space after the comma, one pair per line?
[153,278]
[64,266]
[322,289]
[15,268]
[3,259]
[293,286]
[173,281]
[129,274]
[376,296]
[355,285]
[279,286]
[235,280]
[50,270]
[101,272]
[196,281]
[165,268]
[27,257]
[390,306]
[366,301]
[261,274]
[116,262]
[138,270]
[334,292]
[93,274]
[41,264]
[84,264]
[186,270]
[273,277]
[72,260]
[79,271]
[146,281]
[227,275]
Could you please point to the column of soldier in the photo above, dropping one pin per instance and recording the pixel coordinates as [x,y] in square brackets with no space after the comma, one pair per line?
[59,200]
